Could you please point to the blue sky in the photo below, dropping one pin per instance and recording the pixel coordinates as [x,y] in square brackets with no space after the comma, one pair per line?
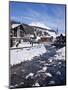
[51,15]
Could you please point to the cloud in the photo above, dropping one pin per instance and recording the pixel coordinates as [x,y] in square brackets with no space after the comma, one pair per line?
[26,17]
[51,15]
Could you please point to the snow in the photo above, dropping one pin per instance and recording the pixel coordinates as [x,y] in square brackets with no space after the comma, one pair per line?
[36,84]
[24,44]
[28,53]
[60,34]
[60,54]
[52,82]
[58,73]
[37,38]
[29,75]
[32,36]
[39,24]
[51,33]
[43,69]
[15,25]
[21,55]
[48,74]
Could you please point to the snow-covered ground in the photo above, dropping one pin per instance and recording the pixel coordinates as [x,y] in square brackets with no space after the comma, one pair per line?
[22,44]
[21,55]
[60,55]
[47,69]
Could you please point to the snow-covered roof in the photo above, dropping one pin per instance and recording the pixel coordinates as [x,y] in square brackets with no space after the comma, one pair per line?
[51,34]
[60,34]
[15,25]
[39,24]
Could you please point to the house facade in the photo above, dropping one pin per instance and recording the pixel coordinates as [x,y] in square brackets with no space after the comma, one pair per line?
[29,33]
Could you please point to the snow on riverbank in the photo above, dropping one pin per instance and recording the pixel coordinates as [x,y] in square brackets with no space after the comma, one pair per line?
[21,55]
[24,44]
[60,55]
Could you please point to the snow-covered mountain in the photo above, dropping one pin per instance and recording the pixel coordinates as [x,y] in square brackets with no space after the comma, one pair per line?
[39,24]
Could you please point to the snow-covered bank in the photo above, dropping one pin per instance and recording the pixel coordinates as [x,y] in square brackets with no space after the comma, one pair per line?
[22,44]
[45,70]
[18,56]
[60,55]
[21,55]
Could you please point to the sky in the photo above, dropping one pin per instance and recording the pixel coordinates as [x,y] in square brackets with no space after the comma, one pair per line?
[51,15]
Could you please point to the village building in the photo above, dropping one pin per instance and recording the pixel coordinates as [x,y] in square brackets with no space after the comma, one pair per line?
[26,33]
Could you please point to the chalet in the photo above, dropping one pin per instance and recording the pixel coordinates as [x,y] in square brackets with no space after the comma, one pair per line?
[29,33]
[16,31]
